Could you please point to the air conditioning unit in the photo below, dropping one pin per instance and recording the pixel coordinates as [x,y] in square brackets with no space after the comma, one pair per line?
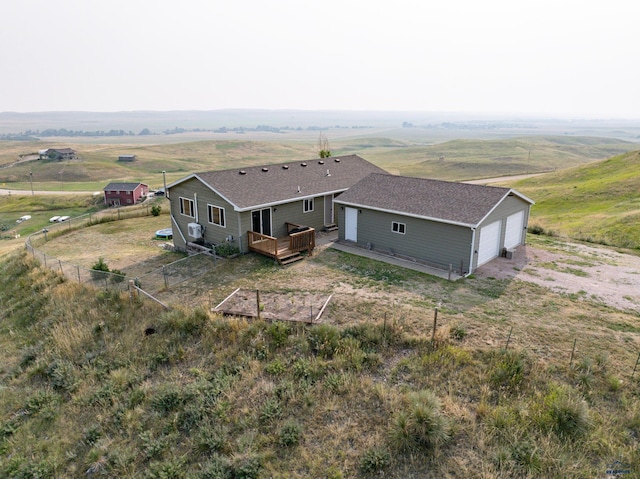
[195,230]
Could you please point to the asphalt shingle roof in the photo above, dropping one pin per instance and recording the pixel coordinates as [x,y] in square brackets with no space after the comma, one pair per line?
[271,184]
[121,186]
[459,203]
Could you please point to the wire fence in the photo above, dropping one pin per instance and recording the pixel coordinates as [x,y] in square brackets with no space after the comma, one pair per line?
[160,279]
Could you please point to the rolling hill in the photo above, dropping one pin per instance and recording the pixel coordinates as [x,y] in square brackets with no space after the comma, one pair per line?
[598,202]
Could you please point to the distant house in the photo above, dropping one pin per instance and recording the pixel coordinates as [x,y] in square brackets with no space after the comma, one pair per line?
[440,223]
[256,206]
[127,158]
[123,194]
[58,154]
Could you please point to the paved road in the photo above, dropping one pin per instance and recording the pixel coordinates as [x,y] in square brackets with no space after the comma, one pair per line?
[486,181]
[5,192]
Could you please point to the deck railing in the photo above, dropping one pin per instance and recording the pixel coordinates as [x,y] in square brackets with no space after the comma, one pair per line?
[263,243]
[295,241]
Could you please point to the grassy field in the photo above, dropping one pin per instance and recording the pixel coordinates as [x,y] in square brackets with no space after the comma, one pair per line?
[84,389]
[598,202]
[412,156]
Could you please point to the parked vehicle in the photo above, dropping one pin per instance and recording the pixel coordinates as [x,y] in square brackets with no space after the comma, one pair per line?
[63,218]
[23,218]
[53,219]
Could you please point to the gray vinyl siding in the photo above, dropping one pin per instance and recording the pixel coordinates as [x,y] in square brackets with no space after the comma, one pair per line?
[509,206]
[438,244]
[213,234]
[281,214]
[293,213]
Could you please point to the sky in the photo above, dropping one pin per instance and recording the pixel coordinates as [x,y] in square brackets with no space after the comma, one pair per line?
[567,58]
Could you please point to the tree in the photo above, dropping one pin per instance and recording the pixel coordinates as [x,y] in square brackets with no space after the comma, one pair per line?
[323,146]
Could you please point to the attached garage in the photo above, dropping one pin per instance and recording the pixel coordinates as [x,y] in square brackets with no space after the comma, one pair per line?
[489,247]
[514,230]
[439,223]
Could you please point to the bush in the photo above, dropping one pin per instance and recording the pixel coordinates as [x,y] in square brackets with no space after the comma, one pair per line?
[155,210]
[508,371]
[98,268]
[535,230]
[422,424]
[290,434]
[324,340]
[117,276]
[374,460]
[568,415]
[226,249]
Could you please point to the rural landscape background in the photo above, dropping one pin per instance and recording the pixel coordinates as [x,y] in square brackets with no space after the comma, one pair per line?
[523,378]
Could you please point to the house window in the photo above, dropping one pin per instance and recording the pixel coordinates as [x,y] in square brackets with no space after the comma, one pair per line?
[216,215]
[307,205]
[186,207]
[398,227]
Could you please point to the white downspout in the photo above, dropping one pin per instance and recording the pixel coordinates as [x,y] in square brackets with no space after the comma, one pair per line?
[195,202]
[473,244]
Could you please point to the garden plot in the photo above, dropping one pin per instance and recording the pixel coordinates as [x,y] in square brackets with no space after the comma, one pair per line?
[275,305]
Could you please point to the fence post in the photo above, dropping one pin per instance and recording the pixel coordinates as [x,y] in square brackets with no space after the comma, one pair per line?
[45,259]
[450,270]
[435,325]
[60,263]
[508,339]
[634,368]
[258,302]
[164,275]
[572,351]
[78,268]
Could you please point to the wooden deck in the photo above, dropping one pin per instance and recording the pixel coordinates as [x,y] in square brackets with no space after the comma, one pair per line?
[287,249]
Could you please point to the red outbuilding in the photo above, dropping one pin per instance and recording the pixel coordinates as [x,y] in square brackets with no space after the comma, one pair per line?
[123,194]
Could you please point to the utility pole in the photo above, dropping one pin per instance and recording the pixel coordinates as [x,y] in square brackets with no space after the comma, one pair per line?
[31,179]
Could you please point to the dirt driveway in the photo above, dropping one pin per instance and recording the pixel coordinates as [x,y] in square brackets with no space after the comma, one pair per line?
[590,272]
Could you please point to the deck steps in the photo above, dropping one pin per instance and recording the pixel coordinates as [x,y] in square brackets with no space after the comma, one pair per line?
[291,258]
[329,228]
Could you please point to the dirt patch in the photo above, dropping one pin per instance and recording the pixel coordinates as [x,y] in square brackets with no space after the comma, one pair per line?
[287,306]
[596,273]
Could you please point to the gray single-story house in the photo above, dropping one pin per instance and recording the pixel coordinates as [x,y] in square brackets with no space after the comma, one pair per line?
[247,205]
[440,223]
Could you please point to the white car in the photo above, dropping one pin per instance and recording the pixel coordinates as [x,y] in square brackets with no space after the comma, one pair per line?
[63,218]
[23,218]
[53,219]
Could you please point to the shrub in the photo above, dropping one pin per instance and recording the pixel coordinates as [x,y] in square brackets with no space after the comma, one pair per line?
[212,438]
[569,415]
[324,340]
[535,230]
[374,460]
[422,424]
[98,268]
[226,249]
[508,371]
[155,210]
[290,434]
[245,466]
[279,332]
[117,276]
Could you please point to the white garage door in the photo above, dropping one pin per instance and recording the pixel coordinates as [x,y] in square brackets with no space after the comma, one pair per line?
[515,226]
[489,242]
